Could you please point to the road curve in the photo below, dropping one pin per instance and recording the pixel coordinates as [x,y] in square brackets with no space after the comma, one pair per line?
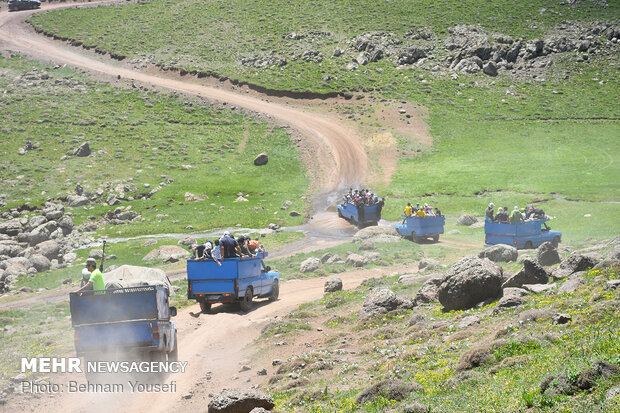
[341,158]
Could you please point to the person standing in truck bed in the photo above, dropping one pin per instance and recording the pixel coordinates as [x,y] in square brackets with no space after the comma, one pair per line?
[96,278]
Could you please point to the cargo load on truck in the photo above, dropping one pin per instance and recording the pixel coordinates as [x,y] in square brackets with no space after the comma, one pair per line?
[135,276]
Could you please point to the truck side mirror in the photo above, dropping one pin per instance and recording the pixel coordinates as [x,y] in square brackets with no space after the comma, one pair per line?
[173,311]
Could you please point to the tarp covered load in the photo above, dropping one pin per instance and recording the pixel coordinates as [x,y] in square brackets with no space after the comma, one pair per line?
[134,276]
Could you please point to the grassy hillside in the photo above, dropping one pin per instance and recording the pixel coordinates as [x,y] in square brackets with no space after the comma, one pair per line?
[145,142]
[510,139]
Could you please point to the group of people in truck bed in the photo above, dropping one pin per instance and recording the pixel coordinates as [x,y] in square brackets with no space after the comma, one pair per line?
[421,211]
[517,215]
[227,247]
[360,197]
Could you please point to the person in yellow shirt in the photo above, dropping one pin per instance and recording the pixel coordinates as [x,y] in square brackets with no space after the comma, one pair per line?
[420,213]
[96,278]
[408,210]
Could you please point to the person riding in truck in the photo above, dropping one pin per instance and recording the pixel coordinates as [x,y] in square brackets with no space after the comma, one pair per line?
[230,247]
[489,212]
[96,278]
[408,210]
[516,216]
[216,253]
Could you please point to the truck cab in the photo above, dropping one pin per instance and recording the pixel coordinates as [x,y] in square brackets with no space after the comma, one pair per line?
[235,281]
[521,235]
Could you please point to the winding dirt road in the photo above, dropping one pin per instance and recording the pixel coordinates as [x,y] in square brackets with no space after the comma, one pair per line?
[214,344]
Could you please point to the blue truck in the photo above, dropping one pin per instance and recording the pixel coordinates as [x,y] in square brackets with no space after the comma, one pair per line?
[521,235]
[419,228]
[235,281]
[361,215]
[123,322]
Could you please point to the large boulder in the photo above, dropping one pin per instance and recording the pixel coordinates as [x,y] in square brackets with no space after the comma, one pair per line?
[547,254]
[39,235]
[36,221]
[574,263]
[611,260]
[77,200]
[356,260]
[469,281]
[377,234]
[332,285]
[429,290]
[572,283]
[10,248]
[82,150]
[239,401]
[166,252]
[309,265]
[500,253]
[49,249]
[11,227]
[382,299]
[40,262]
[466,220]
[531,273]
[261,159]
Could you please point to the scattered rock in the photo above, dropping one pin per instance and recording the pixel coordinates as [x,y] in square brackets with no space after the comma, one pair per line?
[500,253]
[560,318]
[50,249]
[572,283]
[332,285]
[427,264]
[77,200]
[82,151]
[538,288]
[377,234]
[508,301]
[574,263]
[381,300]
[468,321]
[367,246]
[429,291]
[475,357]
[294,214]
[239,401]
[355,260]
[261,159]
[408,278]
[547,254]
[531,273]
[310,265]
[534,314]
[469,281]
[466,220]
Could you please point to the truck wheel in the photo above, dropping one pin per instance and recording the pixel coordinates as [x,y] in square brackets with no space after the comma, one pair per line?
[556,241]
[158,356]
[275,291]
[205,307]
[246,302]
[340,214]
[174,354]
[528,245]
[435,238]
[414,237]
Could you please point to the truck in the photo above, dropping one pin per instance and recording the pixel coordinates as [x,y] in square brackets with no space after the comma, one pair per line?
[124,322]
[360,215]
[236,281]
[419,228]
[15,5]
[521,235]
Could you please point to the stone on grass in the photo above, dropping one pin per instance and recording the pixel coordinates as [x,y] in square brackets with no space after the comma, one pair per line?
[355,260]
[310,265]
[573,283]
[538,288]
[531,273]
[166,252]
[429,290]
[500,253]
[428,264]
[261,159]
[547,254]
[82,151]
[391,389]
[470,281]
[382,299]
[377,234]
[466,220]
[239,401]
[332,285]
[574,263]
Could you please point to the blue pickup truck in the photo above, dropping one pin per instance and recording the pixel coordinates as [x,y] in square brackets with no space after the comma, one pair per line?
[419,228]
[521,235]
[361,215]
[235,281]
[124,321]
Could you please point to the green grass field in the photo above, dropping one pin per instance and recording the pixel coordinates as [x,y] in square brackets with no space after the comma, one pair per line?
[142,139]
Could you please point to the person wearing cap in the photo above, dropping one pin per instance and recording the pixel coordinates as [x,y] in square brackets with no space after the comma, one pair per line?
[516,216]
[489,213]
[95,281]
[416,208]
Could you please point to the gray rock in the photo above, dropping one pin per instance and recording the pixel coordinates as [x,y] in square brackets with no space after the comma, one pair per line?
[500,253]
[572,283]
[332,285]
[377,234]
[391,389]
[466,220]
[371,257]
[11,227]
[40,262]
[261,159]
[531,273]
[469,281]
[612,393]
[294,214]
[520,292]
[468,321]
[37,221]
[326,257]
[127,215]
[166,252]
[547,254]
[538,288]
[490,69]
[508,301]
[428,264]
[77,200]
[239,401]
[310,265]
[469,65]
[382,299]
[574,263]
[187,242]
[96,253]
[560,318]
[82,151]
[612,284]
[356,260]
[429,290]
[408,278]
[49,249]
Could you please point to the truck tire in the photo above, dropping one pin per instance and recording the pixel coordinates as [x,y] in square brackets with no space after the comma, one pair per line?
[435,237]
[556,241]
[340,214]
[205,307]
[174,353]
[158,356]
[528,245]
[275,291]
[414,237]
[246,302]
